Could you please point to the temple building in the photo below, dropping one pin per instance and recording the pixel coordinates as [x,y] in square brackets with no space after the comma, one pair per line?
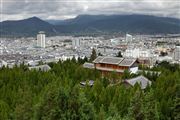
[107,64]
[141,80]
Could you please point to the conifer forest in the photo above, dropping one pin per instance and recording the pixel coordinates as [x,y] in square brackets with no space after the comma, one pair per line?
[58,95]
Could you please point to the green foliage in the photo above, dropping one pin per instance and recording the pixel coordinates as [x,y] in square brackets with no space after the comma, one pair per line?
[126,74]
[167,66]
[93,55]
[57,94]
[4,110]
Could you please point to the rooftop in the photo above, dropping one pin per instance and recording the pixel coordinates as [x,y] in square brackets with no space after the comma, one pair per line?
[127,62]
[88,65]
[98,59]
[143,81]
[115,60]
[111,60]
[41,32]
[44,68]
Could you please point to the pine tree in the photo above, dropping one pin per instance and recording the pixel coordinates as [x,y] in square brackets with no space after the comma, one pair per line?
[4,110]
[100,54]
[119,54]
[135,110]
[93,55]
[101,115]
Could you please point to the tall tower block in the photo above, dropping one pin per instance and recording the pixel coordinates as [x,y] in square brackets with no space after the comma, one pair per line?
[41,39]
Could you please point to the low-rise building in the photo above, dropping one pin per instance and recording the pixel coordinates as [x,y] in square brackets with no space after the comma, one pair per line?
[88,65]
[3,63]
[107,64]
[44,68]
[141,80]
[144,56]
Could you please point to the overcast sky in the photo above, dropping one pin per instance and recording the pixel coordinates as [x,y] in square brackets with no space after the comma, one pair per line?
[64,9]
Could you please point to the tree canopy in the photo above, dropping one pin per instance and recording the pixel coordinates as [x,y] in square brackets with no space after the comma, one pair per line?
[57,94]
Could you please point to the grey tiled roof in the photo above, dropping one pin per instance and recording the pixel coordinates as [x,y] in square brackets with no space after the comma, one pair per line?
[143,81]
[88,65]
[127,62]
[115,60]
[111,60]
[98,59]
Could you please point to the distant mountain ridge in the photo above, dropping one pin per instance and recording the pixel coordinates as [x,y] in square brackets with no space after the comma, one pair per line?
[26,27]
[83,24]
[142,24]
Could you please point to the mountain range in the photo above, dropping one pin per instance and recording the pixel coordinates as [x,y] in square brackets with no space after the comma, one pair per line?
[92,24]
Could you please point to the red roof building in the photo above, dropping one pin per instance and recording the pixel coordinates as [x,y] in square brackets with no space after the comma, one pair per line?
[113,64]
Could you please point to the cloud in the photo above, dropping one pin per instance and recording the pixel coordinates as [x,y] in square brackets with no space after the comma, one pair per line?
[63,9]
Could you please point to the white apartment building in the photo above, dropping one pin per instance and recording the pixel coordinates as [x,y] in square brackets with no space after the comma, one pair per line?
[144,56]
[138,53]
[41,39]
[76,43]
[177,53]
[129,38]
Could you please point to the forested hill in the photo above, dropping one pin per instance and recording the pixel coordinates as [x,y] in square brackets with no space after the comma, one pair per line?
[138,24]
[57,94]
[92,24]
[26,27]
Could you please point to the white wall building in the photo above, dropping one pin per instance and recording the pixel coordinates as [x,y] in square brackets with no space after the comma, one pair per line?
[145,56]
[129,38]
[3,63]
[76,43]
[1,50]
[138,53]
[177,53]
[41,39]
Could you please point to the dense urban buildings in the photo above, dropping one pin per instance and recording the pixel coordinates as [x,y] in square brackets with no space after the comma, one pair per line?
[147,49]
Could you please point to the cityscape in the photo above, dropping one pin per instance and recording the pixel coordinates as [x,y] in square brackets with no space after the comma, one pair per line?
[89,60]
[148,49]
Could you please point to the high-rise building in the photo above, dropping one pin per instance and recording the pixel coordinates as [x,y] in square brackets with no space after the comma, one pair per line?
[177,53]
[76,43]
[129,38]
[41,39]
